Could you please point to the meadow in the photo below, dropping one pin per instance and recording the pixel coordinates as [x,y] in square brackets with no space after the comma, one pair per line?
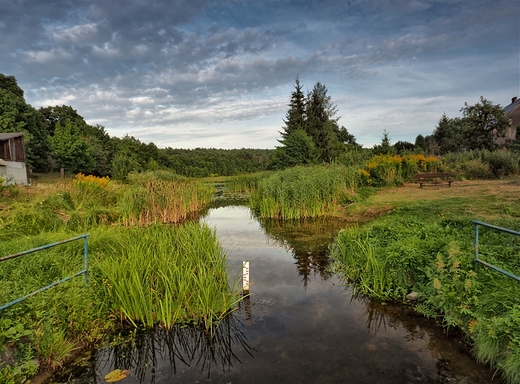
[420,241]
[145,269]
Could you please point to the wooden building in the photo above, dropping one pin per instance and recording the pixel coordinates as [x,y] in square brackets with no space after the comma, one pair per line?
[12,158]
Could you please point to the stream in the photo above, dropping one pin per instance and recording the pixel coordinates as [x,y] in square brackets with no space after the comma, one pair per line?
[300,324]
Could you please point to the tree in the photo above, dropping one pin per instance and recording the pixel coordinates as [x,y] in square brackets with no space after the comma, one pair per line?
[385,148]
[18,116]
[10,84]
[298,149]
[321,124]
[484,125]
[70,151]
[420,143]
[448,135]
[403,147]
[295,116]
[95,136]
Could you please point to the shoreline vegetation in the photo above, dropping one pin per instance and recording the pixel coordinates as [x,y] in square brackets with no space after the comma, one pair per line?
[147,270]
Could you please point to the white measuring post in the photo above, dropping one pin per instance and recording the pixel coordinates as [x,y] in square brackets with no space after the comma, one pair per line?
[245,276]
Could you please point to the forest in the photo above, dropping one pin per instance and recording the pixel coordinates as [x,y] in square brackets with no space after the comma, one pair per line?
[58,137]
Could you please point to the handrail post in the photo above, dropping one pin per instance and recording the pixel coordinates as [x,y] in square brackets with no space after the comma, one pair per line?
[476,245]
[85,256]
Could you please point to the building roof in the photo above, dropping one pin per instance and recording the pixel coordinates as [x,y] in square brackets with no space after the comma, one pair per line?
[10,135]
[508,109]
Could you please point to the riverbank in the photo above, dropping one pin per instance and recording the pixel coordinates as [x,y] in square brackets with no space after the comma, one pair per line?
[420,241]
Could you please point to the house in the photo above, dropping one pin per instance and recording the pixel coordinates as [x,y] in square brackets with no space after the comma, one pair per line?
[513,112]
[12,158]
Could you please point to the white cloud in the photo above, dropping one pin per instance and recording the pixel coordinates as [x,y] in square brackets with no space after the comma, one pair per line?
[76,34]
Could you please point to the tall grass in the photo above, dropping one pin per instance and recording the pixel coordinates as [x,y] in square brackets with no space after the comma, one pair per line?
[87,202]
[150,199]
[167,275]
[245,183]
[141,271]
[302,192]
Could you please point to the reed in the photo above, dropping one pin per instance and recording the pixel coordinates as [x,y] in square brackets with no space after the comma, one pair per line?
[245,183]
[303,192]
[87,202]
[166,275]
[150,199]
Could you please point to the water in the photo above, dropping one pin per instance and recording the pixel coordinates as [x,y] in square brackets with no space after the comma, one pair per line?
[300,324]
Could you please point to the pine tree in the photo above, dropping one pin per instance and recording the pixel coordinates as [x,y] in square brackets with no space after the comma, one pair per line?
[322,124]
[295,116]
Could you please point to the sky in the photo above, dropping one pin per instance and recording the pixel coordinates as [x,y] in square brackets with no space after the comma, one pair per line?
[219,73]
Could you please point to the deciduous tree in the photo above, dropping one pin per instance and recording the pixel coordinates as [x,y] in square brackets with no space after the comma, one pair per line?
[485,125]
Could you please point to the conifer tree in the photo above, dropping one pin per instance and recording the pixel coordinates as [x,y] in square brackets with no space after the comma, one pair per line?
[295,116]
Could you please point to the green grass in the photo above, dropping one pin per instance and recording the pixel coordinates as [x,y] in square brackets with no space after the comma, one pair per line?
[303,192]
[167,275]
[426,246]
[143,270]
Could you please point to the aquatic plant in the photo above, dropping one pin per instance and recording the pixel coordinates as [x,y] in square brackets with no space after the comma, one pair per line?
[302,192]
[433,256]
[166,275]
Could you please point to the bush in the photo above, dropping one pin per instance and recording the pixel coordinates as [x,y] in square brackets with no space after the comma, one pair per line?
[476,169]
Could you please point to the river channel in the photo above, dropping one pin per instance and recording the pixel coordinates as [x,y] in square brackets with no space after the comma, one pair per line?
[299,325]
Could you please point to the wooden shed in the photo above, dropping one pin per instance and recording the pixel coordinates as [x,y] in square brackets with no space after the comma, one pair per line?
[12,158]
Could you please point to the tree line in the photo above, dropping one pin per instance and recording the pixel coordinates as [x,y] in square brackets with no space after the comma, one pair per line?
[58,137]
[311,133]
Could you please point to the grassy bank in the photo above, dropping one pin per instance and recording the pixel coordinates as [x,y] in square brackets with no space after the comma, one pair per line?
[421,240]
[144,270]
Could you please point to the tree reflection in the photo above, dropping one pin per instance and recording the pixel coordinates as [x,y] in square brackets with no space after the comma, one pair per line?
[144,352]
[308,241]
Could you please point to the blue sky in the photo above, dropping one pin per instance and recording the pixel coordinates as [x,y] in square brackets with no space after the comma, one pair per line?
[219,73]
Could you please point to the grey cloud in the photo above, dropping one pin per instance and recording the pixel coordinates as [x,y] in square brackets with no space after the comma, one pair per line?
[137,62]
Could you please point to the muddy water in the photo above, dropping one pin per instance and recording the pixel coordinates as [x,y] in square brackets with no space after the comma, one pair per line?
[299,325]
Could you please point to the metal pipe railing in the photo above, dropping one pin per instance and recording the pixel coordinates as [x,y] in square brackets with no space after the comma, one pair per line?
[476,243]
[84,271]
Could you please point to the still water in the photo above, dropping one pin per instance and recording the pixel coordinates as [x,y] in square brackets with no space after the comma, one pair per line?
[299,325]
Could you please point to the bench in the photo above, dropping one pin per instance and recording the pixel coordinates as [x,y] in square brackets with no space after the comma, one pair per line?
[434,178]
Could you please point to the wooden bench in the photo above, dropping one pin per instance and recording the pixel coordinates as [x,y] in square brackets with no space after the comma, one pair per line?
[434,178]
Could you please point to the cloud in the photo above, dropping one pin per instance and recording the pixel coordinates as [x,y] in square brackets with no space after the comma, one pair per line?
[197,64]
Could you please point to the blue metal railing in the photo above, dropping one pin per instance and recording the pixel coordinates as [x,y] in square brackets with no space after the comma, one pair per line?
[477,260]
[84,271]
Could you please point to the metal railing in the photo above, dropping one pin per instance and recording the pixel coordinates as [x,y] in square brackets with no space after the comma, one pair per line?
[478,260]
[84,271]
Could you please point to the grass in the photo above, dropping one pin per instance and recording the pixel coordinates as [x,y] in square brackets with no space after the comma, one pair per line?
[167,275]
[303,192]
[144,270]
[421,240]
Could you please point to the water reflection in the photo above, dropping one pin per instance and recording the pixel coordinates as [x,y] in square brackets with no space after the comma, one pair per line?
[146,353]
[307,240]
